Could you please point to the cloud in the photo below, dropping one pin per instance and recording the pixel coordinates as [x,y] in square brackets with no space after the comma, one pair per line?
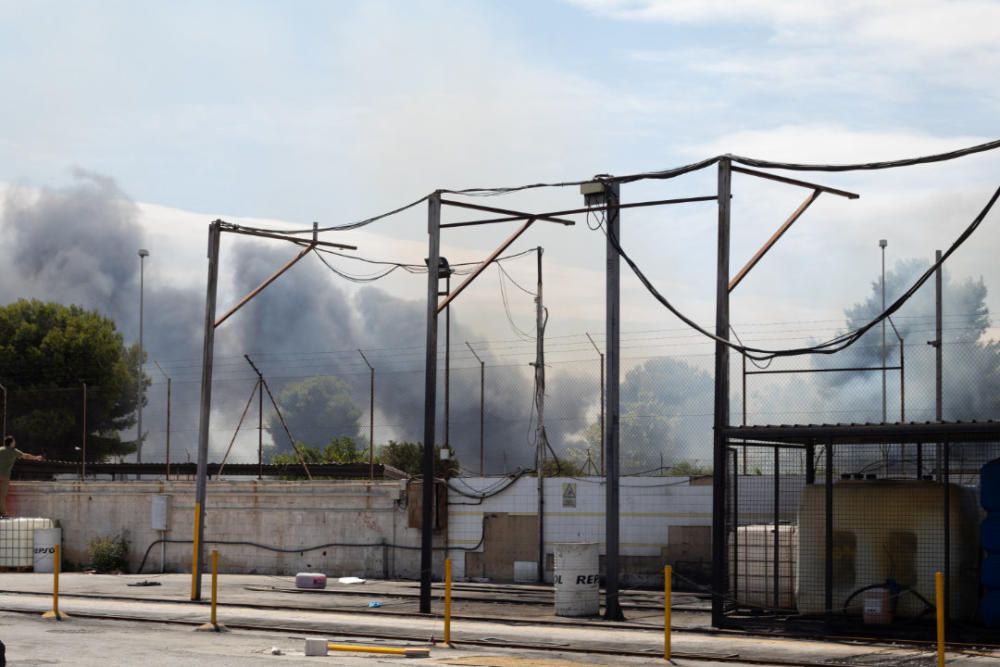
[894,51]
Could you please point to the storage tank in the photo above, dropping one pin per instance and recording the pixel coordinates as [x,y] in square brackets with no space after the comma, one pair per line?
[17,541]
[752,568]
[888,529]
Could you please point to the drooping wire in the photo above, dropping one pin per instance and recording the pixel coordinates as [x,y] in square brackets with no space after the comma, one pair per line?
[358,224]
[461,268]
[831,346]
[518,331]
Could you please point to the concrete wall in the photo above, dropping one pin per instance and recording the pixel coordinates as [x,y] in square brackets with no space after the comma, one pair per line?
[663,519]
[289,515]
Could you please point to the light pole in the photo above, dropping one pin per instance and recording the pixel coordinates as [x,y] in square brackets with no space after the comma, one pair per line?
[143,254]
[882,243]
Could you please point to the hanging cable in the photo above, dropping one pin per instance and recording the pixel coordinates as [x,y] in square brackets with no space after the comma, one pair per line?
[831,346]
[868,166]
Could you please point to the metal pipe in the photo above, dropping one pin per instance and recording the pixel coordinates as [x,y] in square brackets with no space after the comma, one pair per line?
[572,211]
[759,255]
[795,181]
[267,281]
[482,266]
[853,369]
[430,399]
[380,650]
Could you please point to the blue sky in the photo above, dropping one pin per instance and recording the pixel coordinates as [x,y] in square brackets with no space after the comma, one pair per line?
[335,110]
[282,113]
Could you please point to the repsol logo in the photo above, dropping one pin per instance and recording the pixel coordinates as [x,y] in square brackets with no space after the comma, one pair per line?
[581,579]
[45,550]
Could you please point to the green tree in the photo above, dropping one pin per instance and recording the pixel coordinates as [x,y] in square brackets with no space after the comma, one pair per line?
[408,457]
[339,450]
[47,350]
[317,410]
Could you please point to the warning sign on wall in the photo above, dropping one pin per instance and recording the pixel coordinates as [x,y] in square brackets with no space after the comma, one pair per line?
[569,494]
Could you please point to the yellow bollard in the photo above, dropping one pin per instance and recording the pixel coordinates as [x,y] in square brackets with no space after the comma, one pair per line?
[667,583]
[54,613]
[382,650]
[447,601]
[939,604]
[213,625]
[194,557]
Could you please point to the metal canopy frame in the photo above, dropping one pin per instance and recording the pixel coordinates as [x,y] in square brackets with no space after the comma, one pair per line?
[215,230]
[724,286]
[610,207]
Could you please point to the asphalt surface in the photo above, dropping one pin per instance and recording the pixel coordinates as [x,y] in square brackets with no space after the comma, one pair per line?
[494,625]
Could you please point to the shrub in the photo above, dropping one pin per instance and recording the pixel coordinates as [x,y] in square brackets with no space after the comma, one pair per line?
[109,554]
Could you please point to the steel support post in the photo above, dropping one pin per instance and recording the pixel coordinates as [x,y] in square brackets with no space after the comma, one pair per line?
[612,607]
[541,439]
[938,357]
[828,532]
[430,400]
[720,577]
[947,530]
[207,358]
[777,527]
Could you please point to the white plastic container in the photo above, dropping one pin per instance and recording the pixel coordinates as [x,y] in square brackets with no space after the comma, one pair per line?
[310,580]
[752,570]
[45,542]
[17,541]
[577,579]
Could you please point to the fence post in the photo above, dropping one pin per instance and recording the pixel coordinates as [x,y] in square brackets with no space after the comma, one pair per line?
[939,609]
[667,585]
[447,601]
[213,624]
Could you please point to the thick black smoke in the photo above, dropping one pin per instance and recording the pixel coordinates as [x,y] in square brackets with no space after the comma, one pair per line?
[78,244]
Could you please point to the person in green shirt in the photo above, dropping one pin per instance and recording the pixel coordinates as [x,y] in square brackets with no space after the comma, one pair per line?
[8,454]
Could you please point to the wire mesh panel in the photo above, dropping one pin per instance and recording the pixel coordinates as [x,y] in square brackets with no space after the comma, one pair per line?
[842,531]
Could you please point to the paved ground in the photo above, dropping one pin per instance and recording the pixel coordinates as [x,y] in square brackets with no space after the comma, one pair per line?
[265,614]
